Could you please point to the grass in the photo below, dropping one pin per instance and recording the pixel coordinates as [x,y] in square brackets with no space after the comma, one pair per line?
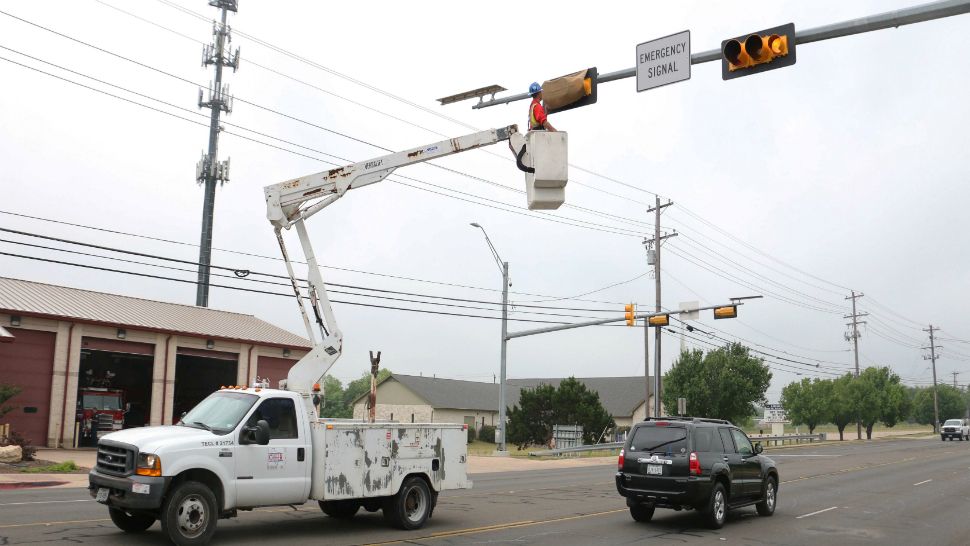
[66,466]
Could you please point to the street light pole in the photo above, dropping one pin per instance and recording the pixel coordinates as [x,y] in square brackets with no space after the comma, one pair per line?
[504,268]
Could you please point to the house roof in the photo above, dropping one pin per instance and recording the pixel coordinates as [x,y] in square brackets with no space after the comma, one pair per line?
[60,302]
[620,396]
[456,394]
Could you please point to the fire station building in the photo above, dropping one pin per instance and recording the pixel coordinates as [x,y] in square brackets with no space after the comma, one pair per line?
[88,361]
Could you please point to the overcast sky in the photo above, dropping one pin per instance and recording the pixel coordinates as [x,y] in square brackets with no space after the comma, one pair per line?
[847,171]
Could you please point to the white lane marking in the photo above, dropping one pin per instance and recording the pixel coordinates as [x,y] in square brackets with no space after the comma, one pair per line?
[44,502]
[817,512]
[922,482]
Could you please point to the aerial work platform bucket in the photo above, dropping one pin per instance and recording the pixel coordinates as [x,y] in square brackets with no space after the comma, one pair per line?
[545,163]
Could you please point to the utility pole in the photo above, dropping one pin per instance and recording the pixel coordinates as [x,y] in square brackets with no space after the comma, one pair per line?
[646,368]
[854,336]
[936,403]
[210,170]
[955,386]
[657,239]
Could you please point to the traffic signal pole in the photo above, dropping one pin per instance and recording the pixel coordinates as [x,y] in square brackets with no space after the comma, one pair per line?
[881,21]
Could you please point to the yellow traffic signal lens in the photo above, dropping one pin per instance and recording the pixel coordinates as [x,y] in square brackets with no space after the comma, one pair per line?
[778,45]
[731,311]
[587,86]
[661,320]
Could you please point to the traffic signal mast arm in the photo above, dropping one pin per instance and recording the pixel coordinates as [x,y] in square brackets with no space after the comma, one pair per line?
[889,19]
[644,316]
[290,203]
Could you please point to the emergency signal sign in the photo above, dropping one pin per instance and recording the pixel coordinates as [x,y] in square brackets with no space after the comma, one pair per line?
[757,52]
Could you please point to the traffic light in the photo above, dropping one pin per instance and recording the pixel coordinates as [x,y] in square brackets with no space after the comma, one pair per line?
[631,316]
[729,311]
[569,91]
[759,51]
[659,320]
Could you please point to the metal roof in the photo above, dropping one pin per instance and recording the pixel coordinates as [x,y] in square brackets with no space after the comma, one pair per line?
[60,302]
[620,396]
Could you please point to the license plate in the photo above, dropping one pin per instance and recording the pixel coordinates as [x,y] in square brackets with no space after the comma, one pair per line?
[655,469]
[102,495]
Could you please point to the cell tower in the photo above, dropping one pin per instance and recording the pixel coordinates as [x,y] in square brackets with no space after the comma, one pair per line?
[210,170]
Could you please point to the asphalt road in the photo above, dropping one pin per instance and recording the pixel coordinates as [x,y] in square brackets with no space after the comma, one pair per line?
[888,492]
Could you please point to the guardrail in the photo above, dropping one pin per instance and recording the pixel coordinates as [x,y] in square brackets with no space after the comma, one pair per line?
[765,440]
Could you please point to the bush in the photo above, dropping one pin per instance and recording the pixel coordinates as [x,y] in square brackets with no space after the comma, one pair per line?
[27,450]
[471,435]
[487,434]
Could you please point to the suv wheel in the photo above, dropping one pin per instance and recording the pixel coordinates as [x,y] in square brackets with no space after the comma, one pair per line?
[642,512]
[716,510]
[770,495]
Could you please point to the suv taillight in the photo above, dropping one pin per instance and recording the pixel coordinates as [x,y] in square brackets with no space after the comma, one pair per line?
[619,462]
[695,464]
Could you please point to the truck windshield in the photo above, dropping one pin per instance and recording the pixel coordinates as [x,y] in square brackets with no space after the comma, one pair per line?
[220,411]
[101,402]
[953,423]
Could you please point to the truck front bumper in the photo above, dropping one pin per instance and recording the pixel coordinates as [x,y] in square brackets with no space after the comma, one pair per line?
[129,492]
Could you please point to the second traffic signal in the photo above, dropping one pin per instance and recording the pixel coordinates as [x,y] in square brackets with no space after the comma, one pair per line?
[759,51]
[631,314]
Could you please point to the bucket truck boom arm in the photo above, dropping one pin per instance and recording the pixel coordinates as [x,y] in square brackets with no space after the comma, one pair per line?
[290,203]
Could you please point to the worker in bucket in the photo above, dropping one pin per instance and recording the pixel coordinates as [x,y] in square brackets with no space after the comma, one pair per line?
[537,114]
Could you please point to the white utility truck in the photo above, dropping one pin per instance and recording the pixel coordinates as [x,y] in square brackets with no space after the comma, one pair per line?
[247,447]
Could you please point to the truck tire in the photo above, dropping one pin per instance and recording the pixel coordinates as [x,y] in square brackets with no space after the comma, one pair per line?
[189,514]
[411,507]
[130,523]
[339,509]
[769,496]
[642,512]
[715,513]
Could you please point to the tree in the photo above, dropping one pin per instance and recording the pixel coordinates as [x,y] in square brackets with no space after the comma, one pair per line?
[6,393]
[951,402]
[808,402]
[723,384]
[539,409]
[531,420]
[877,395]
[843,411]
[333,399]
[577,405]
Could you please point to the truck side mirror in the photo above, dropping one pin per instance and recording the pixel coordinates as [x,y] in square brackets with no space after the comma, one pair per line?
[758,449]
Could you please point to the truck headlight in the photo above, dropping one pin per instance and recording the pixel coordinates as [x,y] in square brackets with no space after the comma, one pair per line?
[149,464]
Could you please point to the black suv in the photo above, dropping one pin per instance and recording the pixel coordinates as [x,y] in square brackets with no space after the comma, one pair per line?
[708,465]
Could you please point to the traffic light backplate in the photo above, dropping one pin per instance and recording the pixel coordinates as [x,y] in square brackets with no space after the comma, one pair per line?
[773,53]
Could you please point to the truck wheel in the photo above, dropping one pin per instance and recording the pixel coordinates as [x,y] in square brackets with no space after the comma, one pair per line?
[340,509]
[189,514]
[642,512]
[716,510]
[769,496]
[410,508]
[130,523]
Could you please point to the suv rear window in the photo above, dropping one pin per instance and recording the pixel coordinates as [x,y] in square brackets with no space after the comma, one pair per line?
[654,438]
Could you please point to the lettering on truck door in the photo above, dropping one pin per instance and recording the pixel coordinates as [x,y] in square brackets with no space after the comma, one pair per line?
[273,474]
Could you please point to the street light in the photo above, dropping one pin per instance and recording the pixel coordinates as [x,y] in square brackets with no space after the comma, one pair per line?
[504,268]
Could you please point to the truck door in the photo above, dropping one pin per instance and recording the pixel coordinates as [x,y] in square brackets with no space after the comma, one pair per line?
[277,473]
[750,463]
